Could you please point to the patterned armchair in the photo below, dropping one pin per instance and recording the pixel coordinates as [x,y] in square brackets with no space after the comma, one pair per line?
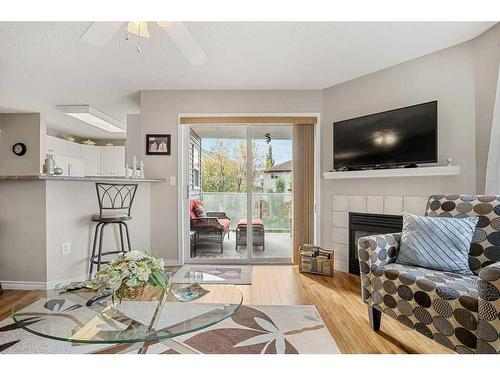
[458,311]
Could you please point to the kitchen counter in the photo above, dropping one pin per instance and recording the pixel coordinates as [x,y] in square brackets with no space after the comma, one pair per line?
[77,178]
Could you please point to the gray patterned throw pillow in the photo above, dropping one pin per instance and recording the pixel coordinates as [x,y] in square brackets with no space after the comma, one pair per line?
[438,243]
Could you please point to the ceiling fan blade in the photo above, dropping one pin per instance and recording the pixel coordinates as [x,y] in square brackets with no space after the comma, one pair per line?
[100,33]
[183,39]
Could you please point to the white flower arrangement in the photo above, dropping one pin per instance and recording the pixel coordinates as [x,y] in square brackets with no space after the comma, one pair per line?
[132,269]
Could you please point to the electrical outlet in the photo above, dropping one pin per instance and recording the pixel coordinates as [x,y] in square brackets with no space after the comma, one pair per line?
[65,248]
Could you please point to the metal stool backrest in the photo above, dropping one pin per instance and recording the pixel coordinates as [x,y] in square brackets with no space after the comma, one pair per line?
[115,196]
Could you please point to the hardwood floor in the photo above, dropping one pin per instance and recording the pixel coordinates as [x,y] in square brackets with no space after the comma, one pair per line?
[337,299]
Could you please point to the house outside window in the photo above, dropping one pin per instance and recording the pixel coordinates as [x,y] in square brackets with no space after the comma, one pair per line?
[272,175]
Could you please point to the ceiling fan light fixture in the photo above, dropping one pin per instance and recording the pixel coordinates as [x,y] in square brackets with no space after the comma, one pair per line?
[139,28]
[100,33]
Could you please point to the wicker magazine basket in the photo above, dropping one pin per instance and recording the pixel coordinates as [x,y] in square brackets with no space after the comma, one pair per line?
[317,260]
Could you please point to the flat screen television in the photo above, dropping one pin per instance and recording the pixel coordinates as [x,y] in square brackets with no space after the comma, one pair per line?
[403,136]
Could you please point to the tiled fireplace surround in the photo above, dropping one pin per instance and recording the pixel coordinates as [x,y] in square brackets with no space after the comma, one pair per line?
[374,204]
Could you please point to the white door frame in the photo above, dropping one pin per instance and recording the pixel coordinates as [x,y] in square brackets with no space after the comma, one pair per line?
[183,192]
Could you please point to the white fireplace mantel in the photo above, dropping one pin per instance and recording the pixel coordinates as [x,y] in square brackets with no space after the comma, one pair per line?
[453,170]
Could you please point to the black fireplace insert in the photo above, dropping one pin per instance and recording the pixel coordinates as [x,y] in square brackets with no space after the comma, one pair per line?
[361,225]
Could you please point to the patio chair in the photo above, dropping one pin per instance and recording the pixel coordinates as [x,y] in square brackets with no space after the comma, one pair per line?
[208,226]
[258,233]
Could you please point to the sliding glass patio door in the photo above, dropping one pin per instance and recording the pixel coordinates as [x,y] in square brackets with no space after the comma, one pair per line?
[239,193]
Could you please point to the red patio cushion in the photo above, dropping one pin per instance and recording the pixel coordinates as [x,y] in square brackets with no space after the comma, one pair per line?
[193,203]
[243,222]
[225,222]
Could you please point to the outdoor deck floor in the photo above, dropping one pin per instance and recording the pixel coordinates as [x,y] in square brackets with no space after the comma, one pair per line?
[278,245]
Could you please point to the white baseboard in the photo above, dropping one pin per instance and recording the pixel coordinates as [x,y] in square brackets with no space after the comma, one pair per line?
[24,285]
[37,285]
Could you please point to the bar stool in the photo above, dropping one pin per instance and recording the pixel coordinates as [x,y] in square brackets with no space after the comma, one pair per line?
[115,203]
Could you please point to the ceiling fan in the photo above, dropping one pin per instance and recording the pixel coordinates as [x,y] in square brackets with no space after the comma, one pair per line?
[100,33]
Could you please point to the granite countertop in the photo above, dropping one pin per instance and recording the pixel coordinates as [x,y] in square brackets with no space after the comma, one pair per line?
[78,178]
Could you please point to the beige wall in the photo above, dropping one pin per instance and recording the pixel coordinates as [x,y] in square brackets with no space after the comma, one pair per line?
[28,128]
[159,114]
[135,143]
[486,53]
[22,231]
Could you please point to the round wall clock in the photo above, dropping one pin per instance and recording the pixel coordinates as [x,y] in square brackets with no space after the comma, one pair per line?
[19,149]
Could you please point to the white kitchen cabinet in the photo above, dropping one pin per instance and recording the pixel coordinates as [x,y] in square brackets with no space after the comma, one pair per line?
[62,147]
[99,160]
[119,161]
[107,155]
[57,146]
[92,157]
[112,161]
[74,150]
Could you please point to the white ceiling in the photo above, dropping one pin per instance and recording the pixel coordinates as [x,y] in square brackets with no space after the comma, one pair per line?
[45,64]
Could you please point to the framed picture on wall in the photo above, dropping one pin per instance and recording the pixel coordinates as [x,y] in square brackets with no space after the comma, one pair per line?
[157,144]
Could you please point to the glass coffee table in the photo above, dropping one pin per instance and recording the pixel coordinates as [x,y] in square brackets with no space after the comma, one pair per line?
[65,316]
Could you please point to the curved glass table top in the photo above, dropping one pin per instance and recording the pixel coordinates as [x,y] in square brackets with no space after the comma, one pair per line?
[65,316]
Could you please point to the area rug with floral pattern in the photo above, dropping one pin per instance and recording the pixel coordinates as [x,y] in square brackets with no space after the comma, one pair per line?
[263,329]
